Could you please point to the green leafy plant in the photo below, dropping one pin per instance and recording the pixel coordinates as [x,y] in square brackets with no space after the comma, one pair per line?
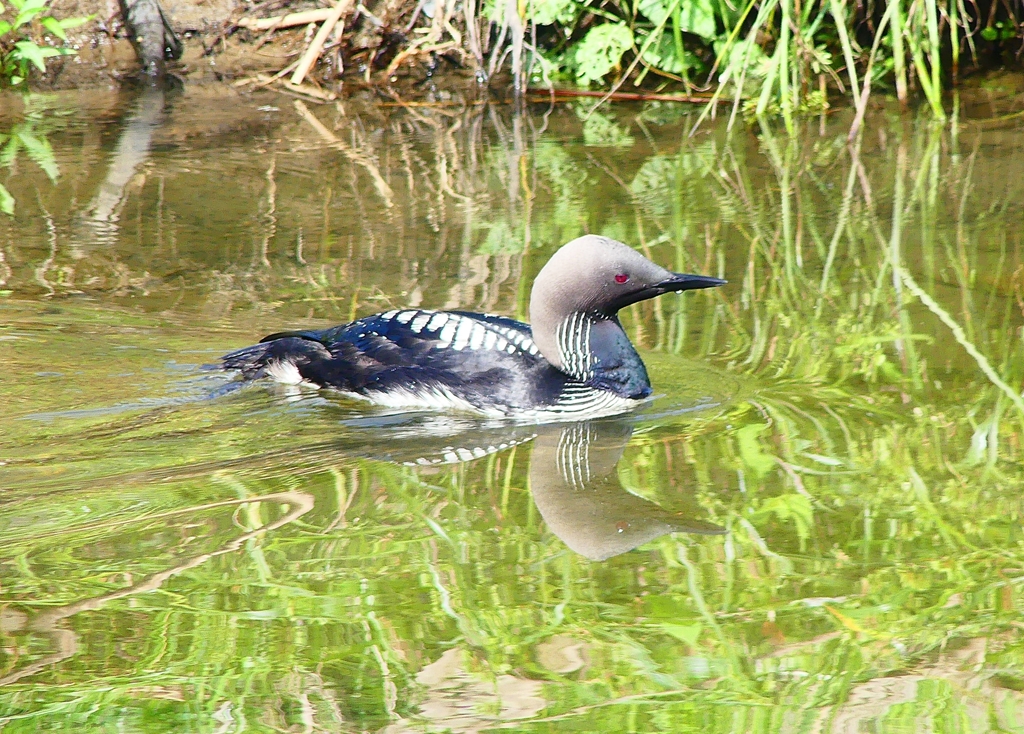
[601,51]
[770,57]
[22,41]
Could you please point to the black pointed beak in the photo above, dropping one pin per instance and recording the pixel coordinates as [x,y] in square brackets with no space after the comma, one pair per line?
[675,283]
[686,282]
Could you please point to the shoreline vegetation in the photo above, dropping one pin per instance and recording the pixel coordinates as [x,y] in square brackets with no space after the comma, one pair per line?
[760,58]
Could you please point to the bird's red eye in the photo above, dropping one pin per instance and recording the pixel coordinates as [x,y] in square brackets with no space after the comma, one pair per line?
[621,278]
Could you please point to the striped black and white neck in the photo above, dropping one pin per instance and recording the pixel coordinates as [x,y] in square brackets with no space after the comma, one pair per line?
[573,361]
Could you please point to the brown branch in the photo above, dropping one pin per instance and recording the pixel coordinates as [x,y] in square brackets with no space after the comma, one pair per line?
[619,96]
[286,21]
[316,46]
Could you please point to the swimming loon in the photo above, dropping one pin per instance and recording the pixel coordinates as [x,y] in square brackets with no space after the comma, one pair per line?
[574,361]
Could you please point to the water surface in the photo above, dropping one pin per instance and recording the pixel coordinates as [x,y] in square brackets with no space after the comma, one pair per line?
[814,526]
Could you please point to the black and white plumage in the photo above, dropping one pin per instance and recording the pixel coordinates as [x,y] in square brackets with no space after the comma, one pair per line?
[575,361]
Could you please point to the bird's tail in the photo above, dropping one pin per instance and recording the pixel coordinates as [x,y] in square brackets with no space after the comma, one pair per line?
[250,361]
[288,359]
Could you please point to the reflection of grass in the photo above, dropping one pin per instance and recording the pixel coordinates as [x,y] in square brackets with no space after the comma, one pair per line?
[867,467]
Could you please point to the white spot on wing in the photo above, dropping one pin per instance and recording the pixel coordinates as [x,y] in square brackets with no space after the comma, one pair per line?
[490,339]
[405,317]
[448,332]
[462,334]
[439,320]
[419,322]
[476,337]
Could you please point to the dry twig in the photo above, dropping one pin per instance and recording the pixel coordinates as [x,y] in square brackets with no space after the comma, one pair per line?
[286,21]
[316,46]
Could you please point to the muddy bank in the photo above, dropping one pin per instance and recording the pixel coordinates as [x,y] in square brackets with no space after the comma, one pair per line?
[225,41]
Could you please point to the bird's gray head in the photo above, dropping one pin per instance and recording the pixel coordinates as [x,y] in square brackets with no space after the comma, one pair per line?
[597,276]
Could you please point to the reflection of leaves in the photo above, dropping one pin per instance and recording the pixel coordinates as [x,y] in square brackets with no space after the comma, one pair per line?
[616,230]
[567,180]
[10,151]
[40,152]
[687,633]
[6,201]
[795,507]
[662,113]
[753,456]
[600,130]
[662,178]
[601,50]
[653,183]
[29,136]
[500,240]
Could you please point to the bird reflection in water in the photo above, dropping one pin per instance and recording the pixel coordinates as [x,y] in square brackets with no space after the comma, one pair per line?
[576,487]
[573,479]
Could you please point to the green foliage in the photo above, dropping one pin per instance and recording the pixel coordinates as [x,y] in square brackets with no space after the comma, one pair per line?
[783,56]
[550,12]
[691,16]
[601,50]
[663,54]
[22,26]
